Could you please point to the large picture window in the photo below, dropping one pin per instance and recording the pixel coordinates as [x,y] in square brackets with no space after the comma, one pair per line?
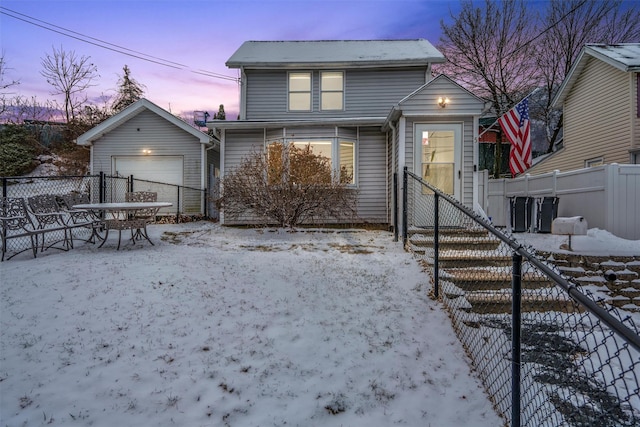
[332,90]
[339,154]
[299,91]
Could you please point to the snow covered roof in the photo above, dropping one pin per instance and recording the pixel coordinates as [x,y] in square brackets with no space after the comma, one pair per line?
[342,53]
[625,57]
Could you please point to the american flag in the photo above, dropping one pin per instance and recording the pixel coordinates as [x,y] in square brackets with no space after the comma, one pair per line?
[515,124]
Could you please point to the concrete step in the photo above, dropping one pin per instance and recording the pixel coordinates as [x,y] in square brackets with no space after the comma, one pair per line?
[469,279]
[480,243]
[467,259]
[448,231]
[501,303]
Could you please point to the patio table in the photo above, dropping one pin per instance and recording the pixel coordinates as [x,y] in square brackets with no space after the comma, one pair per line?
[122,216]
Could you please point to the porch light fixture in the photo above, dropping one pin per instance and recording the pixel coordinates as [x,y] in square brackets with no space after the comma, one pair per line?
[442,102]
[146,151]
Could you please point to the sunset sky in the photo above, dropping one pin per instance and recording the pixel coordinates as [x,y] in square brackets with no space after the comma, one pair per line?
[191,36]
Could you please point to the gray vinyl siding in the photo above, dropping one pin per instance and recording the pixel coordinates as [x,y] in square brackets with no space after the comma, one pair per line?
[238,144]
[148,130]
[424,102]
[467,162]
[370,157]
[368,93]
[597,120]
[372,176]
[635,99]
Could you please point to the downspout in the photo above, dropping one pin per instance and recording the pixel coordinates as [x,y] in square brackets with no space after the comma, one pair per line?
[203,177]
[393,166]
[91,162]
[243,94]
[221,189]
[401,158]
[427,76]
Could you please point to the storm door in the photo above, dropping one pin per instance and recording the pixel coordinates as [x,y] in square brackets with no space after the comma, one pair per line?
[438,161]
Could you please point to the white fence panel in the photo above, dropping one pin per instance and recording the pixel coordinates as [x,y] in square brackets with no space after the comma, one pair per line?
[625,196]
[607,196]
[497,205]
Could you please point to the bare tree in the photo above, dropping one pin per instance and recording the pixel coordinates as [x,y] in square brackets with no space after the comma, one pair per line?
[129,91]
[287,186]
[488,50]
[70,76]
[569,25]
[503,50]
[4,85]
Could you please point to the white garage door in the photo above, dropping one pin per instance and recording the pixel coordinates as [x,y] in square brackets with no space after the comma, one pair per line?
[164,169]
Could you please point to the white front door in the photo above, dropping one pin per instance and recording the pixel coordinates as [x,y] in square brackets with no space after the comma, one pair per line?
[439,156]
[438,161]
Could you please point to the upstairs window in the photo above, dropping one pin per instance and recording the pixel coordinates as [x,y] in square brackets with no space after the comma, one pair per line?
[331,90]
[299,91]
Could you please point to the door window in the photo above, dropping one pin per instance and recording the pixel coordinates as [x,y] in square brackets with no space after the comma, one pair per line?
[438,159]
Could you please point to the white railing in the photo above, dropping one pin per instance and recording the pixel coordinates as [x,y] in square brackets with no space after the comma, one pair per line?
[607,196]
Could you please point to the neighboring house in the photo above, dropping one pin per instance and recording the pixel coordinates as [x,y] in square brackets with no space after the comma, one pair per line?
[152,144]
[363,104]
[601,113]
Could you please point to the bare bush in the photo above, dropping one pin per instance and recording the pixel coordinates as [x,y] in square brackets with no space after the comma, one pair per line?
[287,185]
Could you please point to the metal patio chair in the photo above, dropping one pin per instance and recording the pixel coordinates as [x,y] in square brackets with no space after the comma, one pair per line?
[49,218]
[145,215]
[16,223]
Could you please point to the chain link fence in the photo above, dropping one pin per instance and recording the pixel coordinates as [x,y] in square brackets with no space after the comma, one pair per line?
[188,203]
[548,351]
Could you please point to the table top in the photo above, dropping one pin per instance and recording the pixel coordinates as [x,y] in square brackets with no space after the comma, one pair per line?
[123,206]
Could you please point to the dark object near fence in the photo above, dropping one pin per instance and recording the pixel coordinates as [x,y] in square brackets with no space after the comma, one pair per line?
[547,211]
[521,213]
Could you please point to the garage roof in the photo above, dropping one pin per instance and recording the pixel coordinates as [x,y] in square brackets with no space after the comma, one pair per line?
[131,111]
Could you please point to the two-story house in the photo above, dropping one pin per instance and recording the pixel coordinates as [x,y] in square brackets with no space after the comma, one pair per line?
[371,106]
[600,98]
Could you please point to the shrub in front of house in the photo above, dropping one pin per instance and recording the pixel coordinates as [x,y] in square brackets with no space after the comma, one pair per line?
[287,185]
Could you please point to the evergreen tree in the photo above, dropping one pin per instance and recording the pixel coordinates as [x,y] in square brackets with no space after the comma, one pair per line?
[129,91]
[220,115]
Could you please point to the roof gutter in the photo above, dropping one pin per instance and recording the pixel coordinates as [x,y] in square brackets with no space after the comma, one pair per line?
[259,124]
[337,64]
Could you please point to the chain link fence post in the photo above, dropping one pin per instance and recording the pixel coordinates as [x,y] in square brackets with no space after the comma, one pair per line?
[516,305]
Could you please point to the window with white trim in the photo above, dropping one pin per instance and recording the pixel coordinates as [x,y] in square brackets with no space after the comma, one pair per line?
[299,91]
[340,153]
[598,161]
[331,90]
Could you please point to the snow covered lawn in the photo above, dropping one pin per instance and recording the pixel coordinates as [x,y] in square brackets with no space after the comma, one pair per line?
[218,326]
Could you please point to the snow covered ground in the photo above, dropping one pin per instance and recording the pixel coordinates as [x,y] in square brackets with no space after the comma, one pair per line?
[596,242]
[218,326]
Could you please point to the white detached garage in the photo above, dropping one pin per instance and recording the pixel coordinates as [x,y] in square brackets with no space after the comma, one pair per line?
[154,146]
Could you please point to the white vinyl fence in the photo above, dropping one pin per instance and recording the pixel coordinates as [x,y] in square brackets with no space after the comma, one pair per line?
[607,196]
